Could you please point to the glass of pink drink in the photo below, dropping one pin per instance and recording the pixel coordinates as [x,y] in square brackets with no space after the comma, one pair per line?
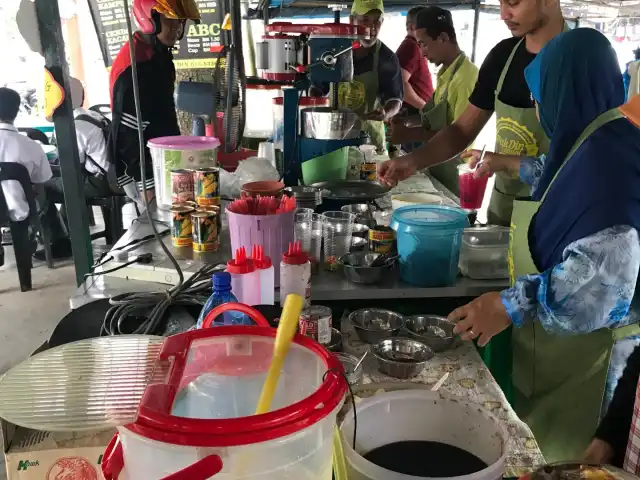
[471,189]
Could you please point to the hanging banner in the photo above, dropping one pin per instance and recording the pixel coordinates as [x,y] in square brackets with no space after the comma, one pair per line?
[193,51]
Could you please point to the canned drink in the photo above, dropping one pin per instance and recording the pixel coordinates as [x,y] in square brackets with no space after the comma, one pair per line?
[207,186]
[205,231]
[215,209]
[182,186]
[315,322]
[181,229]
[382,239]
[368,171]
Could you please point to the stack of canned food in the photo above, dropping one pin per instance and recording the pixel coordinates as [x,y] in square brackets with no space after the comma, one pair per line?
[197,218]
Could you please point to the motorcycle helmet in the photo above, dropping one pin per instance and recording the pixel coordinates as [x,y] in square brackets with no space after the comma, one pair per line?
[147,12]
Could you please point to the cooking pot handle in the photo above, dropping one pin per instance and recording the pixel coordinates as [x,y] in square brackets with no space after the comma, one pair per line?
[201,470]
[255,315]
[113,463]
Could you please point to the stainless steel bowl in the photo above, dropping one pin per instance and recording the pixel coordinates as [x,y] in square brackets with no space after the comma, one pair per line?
[363,212]
[435,331]
[349,362]
[357,267]
[358,243]
[401,357]
[375,324]
[325,123]
[360,230]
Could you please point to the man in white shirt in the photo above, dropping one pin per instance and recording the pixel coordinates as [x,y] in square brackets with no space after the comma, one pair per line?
[15,147]
[93,153]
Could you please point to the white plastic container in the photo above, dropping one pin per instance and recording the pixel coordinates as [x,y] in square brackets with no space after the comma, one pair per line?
[295,274]
[175,153]
[484,253]
[267,281]
[207,429]
[422,415]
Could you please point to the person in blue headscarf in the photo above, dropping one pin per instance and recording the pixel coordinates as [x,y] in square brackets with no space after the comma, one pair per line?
[574,250]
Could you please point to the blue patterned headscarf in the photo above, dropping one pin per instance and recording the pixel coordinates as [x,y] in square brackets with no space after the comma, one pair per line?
[574,79]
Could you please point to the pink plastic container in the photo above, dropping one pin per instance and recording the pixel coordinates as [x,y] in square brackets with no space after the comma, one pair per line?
[273,232]
[471,189]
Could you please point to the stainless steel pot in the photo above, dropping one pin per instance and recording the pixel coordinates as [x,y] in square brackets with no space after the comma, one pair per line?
[324,123]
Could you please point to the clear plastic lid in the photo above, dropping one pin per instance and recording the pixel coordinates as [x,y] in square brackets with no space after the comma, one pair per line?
[430,216]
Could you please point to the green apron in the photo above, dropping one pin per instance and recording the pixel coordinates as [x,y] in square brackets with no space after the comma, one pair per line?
[362,95]
[434,117]
[559,382]
[518,132]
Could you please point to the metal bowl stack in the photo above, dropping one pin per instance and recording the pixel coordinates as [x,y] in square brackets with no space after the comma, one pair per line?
[401,357]
[306,197]
[436,332]
[375,324]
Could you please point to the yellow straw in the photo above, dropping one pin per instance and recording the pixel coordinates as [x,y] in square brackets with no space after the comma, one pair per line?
[286,330]
[339,463]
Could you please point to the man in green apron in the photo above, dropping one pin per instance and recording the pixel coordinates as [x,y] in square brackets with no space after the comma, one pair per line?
[376,92]
[457,77]
[501,88]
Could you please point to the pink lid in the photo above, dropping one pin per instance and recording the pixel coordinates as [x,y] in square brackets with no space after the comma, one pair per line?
[305,101]
[184,142]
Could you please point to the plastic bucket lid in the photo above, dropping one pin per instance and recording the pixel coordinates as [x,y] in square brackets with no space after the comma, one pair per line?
[430,216]
[184,142]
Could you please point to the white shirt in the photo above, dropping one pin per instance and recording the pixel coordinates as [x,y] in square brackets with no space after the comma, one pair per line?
[18,148]
[91,142]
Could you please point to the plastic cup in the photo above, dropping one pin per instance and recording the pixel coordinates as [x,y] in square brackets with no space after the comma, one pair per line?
[308,231]
[337,233]
[471,189]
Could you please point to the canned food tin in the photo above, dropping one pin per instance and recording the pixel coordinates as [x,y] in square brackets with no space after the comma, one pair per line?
[205,231]
[207,186]
[368,171]
[181,226]
[182,186]
[315,322]
[381,239]
[215,209]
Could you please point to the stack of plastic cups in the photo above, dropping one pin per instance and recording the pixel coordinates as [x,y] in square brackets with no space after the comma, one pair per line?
[245,278]
[337,233]
[308,231]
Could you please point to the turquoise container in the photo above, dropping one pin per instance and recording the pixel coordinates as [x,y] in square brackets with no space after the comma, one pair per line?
[429,239]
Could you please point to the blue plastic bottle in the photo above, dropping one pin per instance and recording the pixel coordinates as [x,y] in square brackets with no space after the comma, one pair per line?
[221,294]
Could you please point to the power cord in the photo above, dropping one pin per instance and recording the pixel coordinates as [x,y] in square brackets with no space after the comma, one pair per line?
[144,258]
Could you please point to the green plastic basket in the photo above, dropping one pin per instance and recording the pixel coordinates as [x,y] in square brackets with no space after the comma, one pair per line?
[329,167]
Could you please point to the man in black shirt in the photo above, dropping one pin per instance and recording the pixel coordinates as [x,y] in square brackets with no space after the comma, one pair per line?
[501,88]
[376,91]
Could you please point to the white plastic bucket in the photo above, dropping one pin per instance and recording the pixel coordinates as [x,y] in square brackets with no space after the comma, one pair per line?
[208,429]
[422,415]
[175,153]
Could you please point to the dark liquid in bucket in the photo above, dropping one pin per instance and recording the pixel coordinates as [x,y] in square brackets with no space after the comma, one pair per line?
[425,459]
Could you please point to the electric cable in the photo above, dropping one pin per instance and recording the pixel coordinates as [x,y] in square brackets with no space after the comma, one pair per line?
[146,309]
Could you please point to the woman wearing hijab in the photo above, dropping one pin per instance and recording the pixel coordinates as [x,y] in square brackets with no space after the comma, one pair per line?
[574,252]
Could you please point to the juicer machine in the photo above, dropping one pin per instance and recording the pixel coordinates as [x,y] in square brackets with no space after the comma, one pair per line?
[302,57]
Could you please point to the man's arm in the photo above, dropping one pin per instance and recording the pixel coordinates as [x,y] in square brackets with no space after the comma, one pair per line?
[452,140]
[410,95]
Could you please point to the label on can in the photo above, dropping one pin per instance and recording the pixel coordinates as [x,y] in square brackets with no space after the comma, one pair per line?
[315,322]
[205,231]
[215,209]
[182,186]
[207,186]
[368,171]
[181,229]
[381,239]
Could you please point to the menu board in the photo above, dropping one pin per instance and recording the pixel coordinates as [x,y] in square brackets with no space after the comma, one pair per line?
[193,51]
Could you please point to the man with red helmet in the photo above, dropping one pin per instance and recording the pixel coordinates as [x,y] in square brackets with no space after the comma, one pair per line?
[162,24]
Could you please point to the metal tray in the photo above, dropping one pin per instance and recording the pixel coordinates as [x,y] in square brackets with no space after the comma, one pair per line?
[352,190]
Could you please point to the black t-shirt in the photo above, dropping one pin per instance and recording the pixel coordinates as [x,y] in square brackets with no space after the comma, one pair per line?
[389,76]
[515,91]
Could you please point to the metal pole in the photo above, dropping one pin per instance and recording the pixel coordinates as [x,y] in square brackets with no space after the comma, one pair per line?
[476,22]
[48,16]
